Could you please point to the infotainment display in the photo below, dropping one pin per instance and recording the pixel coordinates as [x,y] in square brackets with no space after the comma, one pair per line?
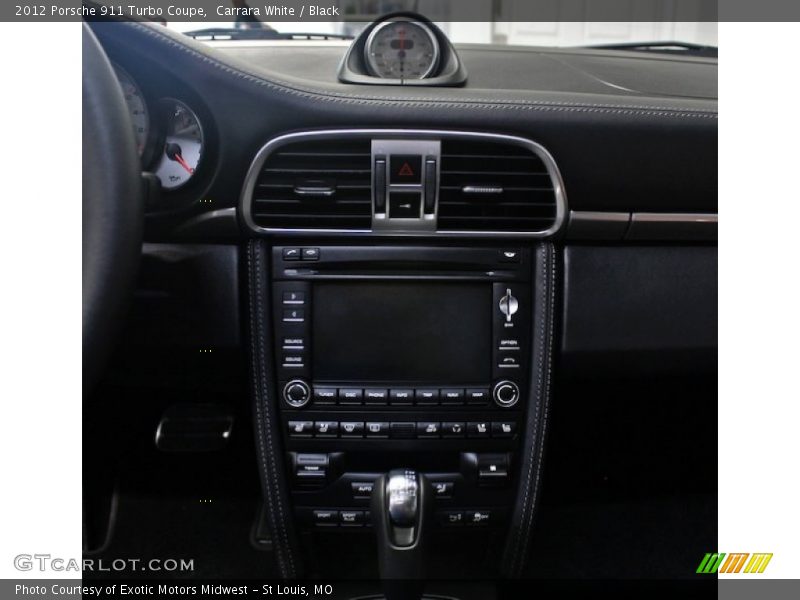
[402,332]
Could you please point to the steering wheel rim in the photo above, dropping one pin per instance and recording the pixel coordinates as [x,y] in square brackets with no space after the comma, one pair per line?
[113,207]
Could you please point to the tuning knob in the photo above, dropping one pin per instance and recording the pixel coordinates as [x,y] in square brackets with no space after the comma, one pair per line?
[509,305]
[297,393]
[505,393]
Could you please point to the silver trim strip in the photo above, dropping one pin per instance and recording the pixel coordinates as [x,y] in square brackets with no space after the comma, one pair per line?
[591,216]
[245,204]
[678,218]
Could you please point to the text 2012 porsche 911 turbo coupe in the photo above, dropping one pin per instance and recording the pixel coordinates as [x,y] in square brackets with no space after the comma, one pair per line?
[378,305]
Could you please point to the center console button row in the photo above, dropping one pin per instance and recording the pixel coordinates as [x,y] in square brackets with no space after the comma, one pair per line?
[402,430]
[454,518]
[292,254]
[341,518]
[394,396]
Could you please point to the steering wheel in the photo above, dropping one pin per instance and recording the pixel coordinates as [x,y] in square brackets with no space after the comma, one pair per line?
[113,207]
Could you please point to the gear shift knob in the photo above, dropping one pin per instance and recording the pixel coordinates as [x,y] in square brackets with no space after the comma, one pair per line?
[402,491]
[400,512]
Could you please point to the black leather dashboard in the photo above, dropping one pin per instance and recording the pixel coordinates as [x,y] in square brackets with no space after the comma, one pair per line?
[618,149]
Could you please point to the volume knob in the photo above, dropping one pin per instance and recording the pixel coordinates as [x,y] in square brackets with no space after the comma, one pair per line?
[506,393]
[297,393]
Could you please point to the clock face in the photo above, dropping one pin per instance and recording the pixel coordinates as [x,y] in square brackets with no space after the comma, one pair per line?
[402,49]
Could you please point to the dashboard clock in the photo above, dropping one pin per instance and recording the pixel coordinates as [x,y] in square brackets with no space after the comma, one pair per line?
[401,48]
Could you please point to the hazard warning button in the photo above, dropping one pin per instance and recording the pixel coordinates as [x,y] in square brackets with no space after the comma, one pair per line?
[405,168]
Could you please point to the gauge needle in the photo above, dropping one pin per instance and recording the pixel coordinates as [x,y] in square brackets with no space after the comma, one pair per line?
[173,152]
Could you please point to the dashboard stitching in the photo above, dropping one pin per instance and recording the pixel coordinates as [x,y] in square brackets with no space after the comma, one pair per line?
[540,364]
[270,442]
[258,390]
[493,104]
[545,398]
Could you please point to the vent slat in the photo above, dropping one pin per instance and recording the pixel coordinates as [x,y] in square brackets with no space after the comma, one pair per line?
[339,165]
[518,190]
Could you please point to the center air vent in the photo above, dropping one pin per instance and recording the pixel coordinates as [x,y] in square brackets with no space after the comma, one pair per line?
[315,184]
[494,185]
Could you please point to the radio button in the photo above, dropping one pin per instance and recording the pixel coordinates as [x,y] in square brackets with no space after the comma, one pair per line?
[452,396]
[325,395]
[362,489]
[478,430]
[300,429]
[508,344]
[351,518]
[291,254]
[293,361]
[401,397]
[478,396]
[350,395]
[451,518]
[310,253]
[510,256]
[376,396]
[504,429]
[402,431]
[378,430]
[478,517]
[294,343]
[326,518]
[294,315]
[326,429]
[453,430]
[508,362]
[294,298]
[351,429]
[311,469]
[427,397]
[442,489]
[428,430]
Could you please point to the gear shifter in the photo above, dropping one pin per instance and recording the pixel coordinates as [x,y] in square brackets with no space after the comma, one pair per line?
[401,511]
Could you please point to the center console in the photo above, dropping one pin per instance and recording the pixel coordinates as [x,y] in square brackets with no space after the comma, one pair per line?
[401,355]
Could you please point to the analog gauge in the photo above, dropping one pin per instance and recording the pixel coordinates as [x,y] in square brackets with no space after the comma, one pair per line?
[402,49]
[136,107]
[183,145]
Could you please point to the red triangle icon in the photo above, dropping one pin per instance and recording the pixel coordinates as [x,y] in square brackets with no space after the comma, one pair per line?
[405,171]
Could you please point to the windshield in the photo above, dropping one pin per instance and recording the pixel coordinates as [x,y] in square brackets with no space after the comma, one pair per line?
[557,33]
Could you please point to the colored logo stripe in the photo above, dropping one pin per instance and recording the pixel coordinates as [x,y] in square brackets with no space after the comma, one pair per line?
[758,563]
[734,563]
[713,562]
[710,562]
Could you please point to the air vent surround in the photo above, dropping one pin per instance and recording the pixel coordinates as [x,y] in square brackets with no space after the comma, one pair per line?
[496,185]
[314,184]
[340,202]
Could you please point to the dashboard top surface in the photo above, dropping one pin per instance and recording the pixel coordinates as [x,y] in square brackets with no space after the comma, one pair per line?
[628,131]
[492,67]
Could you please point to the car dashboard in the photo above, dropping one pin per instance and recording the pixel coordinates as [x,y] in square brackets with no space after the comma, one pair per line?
[506,283]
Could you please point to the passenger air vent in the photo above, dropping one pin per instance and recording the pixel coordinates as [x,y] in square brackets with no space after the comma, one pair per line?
[494,185]
[315,184]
